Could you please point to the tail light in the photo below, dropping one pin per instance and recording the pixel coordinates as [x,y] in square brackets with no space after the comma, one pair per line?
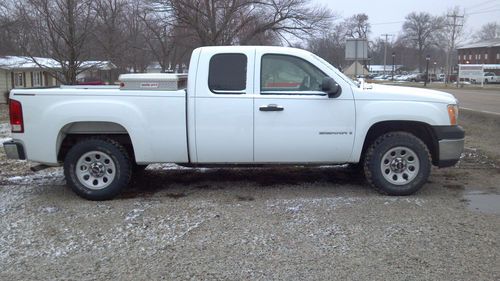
[16,116]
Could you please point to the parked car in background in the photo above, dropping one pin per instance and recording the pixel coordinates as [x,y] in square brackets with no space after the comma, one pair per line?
[489,77]
[416,77]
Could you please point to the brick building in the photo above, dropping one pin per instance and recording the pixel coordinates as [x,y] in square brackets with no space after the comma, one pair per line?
[484,52]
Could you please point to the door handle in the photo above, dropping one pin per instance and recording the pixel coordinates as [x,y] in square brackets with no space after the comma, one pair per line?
[271,107]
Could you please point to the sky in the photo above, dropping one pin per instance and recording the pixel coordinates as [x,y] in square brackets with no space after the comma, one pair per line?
[387,16]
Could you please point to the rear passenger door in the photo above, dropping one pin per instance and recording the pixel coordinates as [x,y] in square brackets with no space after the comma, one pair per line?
[224,106]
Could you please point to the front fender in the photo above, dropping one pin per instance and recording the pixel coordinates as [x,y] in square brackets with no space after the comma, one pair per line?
[369,113]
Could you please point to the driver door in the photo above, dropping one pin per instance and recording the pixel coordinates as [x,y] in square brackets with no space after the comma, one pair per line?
[295,122]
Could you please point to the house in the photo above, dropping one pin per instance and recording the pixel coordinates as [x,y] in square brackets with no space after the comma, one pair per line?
[483,52]
[97,71]
[22,72]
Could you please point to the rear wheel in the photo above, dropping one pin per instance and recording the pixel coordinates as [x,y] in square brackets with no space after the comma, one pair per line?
[397,163]
[97,169]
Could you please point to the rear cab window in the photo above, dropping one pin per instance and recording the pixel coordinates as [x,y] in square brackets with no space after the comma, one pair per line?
[228,73]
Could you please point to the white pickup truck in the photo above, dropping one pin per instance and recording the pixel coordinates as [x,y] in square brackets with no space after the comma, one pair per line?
[489,77]
[242,105]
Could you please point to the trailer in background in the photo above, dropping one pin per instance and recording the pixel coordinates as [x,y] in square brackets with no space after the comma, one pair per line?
[479,73]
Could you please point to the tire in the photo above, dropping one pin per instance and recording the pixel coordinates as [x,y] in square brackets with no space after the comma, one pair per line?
[97,168]
[397,163]
[485,81]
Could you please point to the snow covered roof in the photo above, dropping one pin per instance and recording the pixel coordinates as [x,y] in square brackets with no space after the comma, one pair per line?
[482,44]
[380,67]
[22,62]
[96,64]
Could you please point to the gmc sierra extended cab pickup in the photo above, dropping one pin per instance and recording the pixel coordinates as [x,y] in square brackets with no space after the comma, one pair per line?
[240,105]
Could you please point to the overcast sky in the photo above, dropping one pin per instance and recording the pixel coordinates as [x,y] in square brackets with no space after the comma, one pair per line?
[386,16]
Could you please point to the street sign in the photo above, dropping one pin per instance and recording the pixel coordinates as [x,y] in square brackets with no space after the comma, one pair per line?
[356,49]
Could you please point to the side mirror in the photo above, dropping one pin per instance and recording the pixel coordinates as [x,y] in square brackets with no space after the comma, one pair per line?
[330,87]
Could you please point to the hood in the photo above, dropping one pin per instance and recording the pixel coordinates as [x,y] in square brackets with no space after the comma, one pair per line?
[398,93]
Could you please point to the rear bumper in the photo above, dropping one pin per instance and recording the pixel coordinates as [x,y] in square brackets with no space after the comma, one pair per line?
[451,144]
[14,150]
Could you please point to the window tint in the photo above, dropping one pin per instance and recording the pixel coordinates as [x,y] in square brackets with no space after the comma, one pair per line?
[227,72]
[287,73]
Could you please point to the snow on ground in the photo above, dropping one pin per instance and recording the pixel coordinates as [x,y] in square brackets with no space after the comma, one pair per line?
[4,133]
[52,176]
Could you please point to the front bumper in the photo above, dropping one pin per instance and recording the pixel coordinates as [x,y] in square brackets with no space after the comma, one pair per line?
[14,150]
[451,144]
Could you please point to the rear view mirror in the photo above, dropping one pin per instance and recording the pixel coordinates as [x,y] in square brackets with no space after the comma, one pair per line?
[330,87]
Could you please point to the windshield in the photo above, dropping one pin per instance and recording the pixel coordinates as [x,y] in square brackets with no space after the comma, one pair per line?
[331,67]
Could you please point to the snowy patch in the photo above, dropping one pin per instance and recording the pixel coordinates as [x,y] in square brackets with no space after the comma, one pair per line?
[172,166]
[166,166]
[2,140]
[49,209]
[4,129]
[132,215]
[4,133]
[54,176]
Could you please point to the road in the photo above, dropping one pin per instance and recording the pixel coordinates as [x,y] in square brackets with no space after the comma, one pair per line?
[478,100]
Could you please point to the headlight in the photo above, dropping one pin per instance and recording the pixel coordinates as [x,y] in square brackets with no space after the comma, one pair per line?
[453,114]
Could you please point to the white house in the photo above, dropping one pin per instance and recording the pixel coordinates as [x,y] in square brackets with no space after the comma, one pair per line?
[23,72]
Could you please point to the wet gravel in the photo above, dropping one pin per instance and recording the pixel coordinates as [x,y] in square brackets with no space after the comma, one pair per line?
[294,223]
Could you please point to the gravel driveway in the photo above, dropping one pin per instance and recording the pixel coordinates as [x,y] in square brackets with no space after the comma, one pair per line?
[293,223]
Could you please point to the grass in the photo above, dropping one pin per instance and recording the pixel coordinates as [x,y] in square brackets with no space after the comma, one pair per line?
[441,86]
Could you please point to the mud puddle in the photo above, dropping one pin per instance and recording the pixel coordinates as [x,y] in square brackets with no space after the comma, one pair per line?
[483,202]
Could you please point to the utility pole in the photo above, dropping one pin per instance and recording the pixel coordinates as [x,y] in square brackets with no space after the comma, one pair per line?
[454,32]
[385,48]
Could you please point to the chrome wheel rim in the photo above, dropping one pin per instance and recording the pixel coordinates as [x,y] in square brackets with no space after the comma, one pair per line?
[400,165]
[95,170]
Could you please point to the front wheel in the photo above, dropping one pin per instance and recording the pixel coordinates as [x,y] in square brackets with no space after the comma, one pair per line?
[397,163]
[97,169]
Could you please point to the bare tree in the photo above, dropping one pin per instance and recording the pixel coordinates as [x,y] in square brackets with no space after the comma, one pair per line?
[452,34]
[8,29]
[330,46]
[420,31]
[225,22]
[159,37]
[488,31]
[357,26]
[58,29]
[136,57]
[110,28]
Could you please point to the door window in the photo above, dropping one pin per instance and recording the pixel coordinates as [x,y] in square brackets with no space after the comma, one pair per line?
[283,74]
[227,73]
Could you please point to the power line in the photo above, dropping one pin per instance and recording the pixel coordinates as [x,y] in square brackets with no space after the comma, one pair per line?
[480,4]
[484,12]
[389,22]
[385,47]
[454,34]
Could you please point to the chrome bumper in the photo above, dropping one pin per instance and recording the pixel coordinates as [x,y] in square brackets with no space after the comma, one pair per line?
[450,151]
[14,150]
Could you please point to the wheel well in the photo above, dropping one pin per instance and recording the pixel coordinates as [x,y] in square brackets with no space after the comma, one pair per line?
[419,129]
[77,131]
